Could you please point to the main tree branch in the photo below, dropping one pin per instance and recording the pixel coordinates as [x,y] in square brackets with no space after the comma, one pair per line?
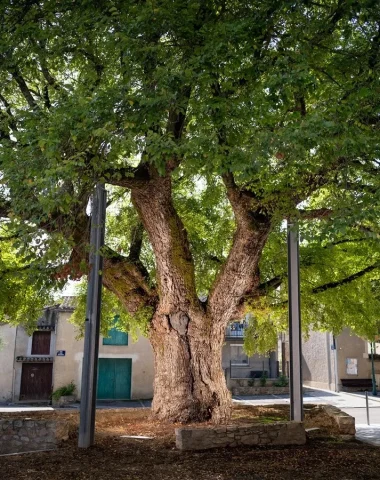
[128,177]
[168,237]
[129,281]
[239,275]
[317,213]
[136,242]
[345,281]
[271,284]
[24,89]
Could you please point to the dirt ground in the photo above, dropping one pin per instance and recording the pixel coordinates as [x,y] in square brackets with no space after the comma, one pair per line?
[325,456]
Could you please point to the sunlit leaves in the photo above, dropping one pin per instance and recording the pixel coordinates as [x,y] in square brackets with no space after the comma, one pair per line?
[284,95]
[24,286]
[324,262]
[111,308]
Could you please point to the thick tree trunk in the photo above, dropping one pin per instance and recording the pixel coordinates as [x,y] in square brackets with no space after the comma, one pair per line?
[187,343]
[189,380]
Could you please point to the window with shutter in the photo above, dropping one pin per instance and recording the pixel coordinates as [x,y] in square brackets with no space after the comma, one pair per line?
[115,336]
[238,356]
[41,343]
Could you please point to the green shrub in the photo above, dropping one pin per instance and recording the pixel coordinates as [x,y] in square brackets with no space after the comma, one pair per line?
[64,391]
[282,381]
[263,379]
[251,382]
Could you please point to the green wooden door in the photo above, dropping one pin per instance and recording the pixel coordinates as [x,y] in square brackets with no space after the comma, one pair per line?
[114,378]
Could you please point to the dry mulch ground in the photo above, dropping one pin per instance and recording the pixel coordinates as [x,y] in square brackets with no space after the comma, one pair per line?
[325,456]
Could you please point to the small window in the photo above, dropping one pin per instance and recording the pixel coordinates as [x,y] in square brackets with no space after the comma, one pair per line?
[238,356]
[41,343]
[115,336]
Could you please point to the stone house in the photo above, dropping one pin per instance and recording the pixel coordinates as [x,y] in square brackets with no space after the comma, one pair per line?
[32,366]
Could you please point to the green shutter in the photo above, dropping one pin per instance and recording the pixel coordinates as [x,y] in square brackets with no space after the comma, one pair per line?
[115,337]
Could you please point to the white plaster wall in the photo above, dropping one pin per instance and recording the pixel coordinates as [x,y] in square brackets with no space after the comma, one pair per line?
[7,349]
[69,367]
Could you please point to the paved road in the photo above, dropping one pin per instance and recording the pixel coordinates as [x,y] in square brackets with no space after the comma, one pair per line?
[351,403]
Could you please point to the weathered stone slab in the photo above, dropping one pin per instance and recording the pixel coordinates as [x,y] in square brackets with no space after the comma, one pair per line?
[282,433]
[345,422]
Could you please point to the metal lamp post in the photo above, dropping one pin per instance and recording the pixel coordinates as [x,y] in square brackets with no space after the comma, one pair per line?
[92,325]
[295,345]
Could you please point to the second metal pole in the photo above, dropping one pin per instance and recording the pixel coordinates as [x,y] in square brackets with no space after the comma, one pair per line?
[295,346]
[92,325]
[367,406]
[373,351]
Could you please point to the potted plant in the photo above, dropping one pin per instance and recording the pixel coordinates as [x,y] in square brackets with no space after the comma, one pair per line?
[64,395]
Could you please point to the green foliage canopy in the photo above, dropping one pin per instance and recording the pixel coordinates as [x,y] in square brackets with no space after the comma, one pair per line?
[282,95]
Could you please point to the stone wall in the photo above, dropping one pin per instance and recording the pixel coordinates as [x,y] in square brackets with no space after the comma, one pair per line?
[26,435]
[260,390]
[281,433]
[345,422]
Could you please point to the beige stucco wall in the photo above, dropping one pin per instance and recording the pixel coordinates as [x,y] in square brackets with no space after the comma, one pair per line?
[351,346]
[318,367]
[141,354]
[23,347]
[69,367]
[7,348]
[17,343]
[257,363]
[318,362]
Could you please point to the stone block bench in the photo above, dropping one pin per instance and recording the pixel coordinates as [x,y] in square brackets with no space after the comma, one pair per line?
[279,433]
[345,422]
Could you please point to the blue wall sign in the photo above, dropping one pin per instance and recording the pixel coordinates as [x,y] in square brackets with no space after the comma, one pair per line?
[61,353]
